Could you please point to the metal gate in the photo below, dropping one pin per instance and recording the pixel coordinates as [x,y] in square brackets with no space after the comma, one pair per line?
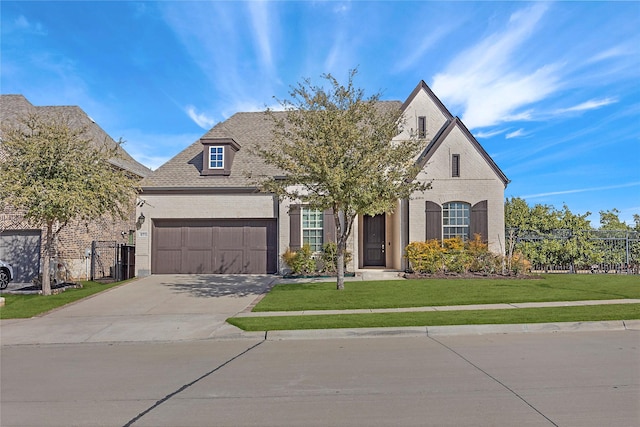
[112,261]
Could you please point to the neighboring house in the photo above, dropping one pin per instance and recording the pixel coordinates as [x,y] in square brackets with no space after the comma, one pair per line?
[21,242]
[204,214]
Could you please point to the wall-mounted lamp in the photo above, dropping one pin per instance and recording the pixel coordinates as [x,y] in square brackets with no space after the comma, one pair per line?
[140,221]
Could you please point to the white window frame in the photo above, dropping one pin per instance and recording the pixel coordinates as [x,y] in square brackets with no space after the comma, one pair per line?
[456,219]
[218,161]
[312,225]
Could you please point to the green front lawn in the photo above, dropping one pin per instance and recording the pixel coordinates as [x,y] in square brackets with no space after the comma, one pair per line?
[439,318]
[23,306]
[438,292]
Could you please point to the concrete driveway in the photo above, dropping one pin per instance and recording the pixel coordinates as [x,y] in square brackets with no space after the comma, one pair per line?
[154,308]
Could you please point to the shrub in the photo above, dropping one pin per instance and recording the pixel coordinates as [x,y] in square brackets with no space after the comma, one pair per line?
[330,257]
[519,264]
[456,259]
[425,257]
[301,261]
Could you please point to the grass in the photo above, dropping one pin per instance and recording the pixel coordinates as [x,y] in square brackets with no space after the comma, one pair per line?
[469,317]
[438,292]
[24,306]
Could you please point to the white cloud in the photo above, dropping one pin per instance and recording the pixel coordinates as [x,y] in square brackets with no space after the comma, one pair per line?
[431,39]
[581,190]
[588,105]
[23,24]
[516,134]
[487,84]
[260,23]
[489,134]
[201,119]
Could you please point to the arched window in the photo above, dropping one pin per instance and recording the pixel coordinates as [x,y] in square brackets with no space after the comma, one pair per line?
[455,220]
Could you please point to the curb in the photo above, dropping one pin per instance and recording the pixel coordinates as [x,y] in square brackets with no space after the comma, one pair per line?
[457,330]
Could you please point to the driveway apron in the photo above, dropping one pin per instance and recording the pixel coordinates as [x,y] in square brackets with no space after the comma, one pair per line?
[154,308]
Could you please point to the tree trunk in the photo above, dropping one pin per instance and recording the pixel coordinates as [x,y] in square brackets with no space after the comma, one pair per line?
[340,267]
[46,278]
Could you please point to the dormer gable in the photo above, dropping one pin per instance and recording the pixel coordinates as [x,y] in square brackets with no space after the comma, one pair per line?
[217,155]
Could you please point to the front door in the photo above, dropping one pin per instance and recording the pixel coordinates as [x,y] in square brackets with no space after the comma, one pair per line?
[374,241]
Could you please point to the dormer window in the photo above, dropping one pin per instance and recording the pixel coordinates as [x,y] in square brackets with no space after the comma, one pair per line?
[217,155]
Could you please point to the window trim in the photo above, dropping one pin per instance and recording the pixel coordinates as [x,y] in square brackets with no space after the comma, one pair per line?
[219,152]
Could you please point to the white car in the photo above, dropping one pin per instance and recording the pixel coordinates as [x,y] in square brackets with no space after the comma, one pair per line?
[6,274]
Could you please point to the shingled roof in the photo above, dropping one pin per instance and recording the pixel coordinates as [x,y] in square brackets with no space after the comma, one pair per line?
[184,170]
[12,107]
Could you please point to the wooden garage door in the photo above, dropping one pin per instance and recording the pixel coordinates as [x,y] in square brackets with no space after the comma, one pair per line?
[214,246]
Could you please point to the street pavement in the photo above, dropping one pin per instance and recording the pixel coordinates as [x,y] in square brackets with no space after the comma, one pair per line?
[581,379]
[157,352]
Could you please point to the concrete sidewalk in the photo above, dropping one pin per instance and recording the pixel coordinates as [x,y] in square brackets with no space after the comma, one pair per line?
[248,313]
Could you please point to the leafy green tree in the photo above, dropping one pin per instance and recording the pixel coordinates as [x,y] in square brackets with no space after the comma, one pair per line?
[54,173]
[336,152]
[610,220]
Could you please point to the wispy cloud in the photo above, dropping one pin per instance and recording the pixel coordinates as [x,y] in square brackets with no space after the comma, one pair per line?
[588,105]
[489,134]
[201,119]
[487,84]
[260,23]
[430,39]
[21,23]
[581,190]
[516,134]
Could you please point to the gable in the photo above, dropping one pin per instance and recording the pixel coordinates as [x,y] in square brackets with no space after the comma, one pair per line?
[455,139]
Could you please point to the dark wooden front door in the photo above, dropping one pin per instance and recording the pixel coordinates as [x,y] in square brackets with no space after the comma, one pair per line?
[374,241]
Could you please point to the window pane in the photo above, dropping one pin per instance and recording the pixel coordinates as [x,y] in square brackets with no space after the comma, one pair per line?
[312,228]
[455,220]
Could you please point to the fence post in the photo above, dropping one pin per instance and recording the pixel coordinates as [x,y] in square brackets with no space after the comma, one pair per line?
[93,259]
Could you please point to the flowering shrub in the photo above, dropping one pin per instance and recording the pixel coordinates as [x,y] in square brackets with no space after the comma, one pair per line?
[455,256]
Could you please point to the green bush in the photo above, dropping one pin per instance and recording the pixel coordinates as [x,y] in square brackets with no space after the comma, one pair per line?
[300,261]
[330,257]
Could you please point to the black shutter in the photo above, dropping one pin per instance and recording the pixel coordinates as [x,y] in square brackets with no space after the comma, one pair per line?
[480,221]
[328,227]
[295,240]
[434,221]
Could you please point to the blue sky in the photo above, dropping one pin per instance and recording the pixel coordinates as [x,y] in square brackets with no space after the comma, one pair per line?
[551,90]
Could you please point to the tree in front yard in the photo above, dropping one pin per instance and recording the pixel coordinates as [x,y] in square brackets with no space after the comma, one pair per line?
[336,152]
[54,173]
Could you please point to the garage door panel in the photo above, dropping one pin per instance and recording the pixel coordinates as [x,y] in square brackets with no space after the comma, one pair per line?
[197,261]
[231,262]
[215,246]
[168,261]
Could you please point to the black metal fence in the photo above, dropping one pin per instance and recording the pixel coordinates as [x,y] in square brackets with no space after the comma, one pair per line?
[594,251]
[112,261]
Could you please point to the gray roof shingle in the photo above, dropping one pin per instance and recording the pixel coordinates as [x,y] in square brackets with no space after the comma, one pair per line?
[248,130]
[12,107]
